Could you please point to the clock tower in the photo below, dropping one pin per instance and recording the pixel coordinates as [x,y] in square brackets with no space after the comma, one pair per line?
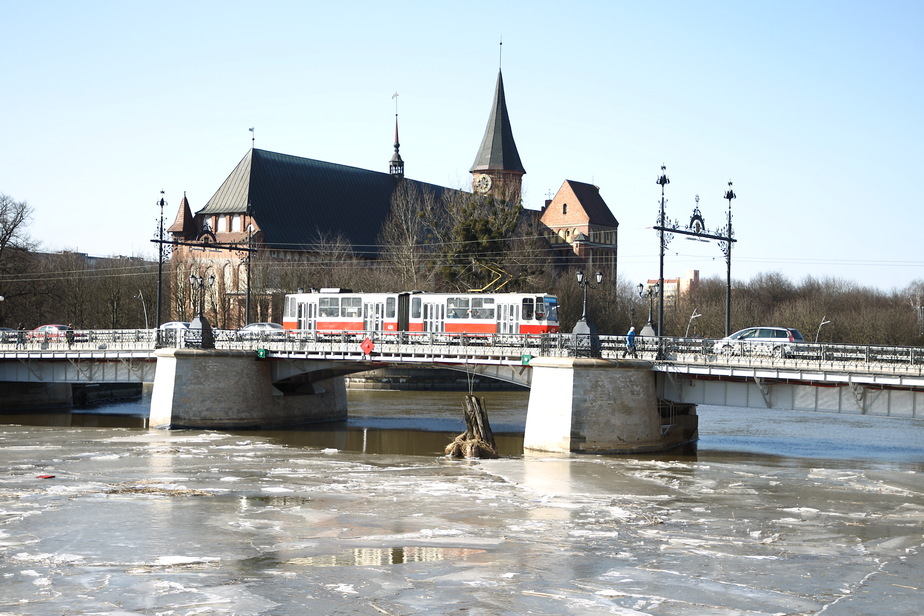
[497,170]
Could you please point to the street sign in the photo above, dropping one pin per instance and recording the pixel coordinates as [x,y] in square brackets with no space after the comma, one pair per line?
[367,346]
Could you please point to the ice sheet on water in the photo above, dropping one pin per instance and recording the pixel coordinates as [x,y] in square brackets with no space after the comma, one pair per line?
[175,561]
[415,534]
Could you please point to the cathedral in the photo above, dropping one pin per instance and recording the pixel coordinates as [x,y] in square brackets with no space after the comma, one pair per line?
[285,206]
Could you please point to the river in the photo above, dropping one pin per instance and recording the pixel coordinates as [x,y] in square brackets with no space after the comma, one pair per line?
[772,513]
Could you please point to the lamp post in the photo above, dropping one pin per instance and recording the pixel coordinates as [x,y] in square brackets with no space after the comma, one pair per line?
[584,331]
[160,259]
[200,322]
[648,292]
[249,256]
[143,306]
[729,194]
[824,321]
[694,315]
[583,282]
[663,181]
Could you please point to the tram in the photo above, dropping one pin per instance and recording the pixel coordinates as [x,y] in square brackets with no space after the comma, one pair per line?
[330,311]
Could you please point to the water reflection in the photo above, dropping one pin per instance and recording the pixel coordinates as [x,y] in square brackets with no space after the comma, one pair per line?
[347,436]
[423,423]
[76,419]
[373,557]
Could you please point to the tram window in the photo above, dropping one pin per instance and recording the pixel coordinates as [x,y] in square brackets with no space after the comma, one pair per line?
[415,308]
[527,309]
[540,309]
[482,307]
[290,307]
[457,307]
[551,308]
[390,304]
[352,307]
[329,306]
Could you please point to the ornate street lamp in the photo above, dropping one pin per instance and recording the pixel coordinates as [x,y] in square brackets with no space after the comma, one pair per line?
[729,194]
[584,331]
[648,292]
[200,323]
[583,282]
[695,230]
[663,181]
[160,259]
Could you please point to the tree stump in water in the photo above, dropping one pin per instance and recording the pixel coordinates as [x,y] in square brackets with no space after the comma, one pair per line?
[477,441]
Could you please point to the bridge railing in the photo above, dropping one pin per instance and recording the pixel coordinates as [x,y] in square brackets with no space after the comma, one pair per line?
[908,360]
[509,347]
[81,340]
[803,356]
[411,344]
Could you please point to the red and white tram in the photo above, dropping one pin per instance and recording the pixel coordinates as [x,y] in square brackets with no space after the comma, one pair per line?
[336,310]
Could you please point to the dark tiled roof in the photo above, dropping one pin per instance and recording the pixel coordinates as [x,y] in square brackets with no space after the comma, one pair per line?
[184,223]
[298,201]
[498,150]
[589,197]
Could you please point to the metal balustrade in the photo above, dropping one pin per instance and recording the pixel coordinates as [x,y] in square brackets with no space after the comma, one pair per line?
[486,348]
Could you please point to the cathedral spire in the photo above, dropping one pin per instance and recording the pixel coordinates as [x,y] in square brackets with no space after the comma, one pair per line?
[498,158]
[396,165]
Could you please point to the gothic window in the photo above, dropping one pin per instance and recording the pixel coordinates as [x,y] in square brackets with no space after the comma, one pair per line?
[564,208]
[227,275]
[236,223]
[222,224]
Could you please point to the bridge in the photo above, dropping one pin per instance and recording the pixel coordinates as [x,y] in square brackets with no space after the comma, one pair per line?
[584,395]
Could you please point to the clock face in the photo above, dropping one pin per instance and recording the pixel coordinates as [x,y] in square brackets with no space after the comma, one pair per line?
[483,183]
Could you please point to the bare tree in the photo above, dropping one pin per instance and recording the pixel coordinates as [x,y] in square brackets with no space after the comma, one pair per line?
[14,217]
[15,262]
[406,236]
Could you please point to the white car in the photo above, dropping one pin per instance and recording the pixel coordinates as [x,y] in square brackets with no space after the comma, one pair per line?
[175,325]
[775,341]
[264,331]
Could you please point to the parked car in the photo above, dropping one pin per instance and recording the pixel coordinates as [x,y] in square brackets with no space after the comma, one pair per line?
[775,341]
[172,332]
[49,332]
[266,331]
[56,333]
[175,325]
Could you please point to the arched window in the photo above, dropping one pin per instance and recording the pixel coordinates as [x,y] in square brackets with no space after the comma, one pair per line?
[241,276]
[236,222]
[228,277]
[222,224]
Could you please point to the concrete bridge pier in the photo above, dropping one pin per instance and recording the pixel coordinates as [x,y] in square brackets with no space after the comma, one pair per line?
[233,390]
[596,406]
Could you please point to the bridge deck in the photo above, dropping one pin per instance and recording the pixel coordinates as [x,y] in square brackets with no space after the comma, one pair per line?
[90,351]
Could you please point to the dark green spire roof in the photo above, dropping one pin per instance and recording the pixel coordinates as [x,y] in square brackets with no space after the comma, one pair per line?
[498,151]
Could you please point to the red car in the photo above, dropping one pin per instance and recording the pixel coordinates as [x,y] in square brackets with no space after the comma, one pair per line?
[50,332]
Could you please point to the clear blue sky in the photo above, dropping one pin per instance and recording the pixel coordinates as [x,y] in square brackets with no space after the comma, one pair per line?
[813,109]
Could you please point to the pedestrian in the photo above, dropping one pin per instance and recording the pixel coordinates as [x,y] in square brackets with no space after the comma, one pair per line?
[69,334]
[630,343]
